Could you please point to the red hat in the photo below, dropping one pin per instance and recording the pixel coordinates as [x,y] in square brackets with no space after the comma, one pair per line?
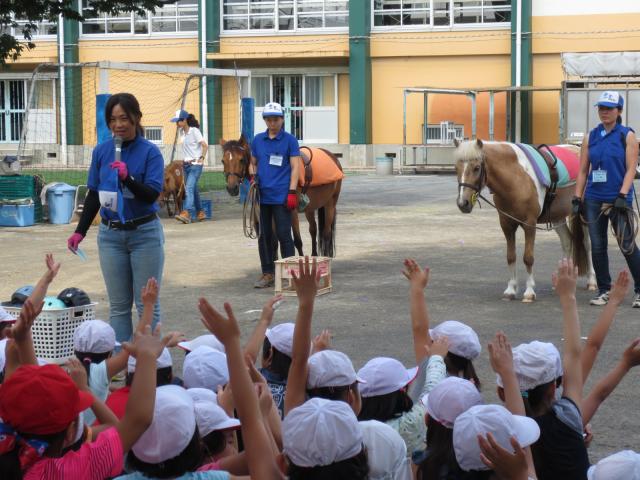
[41,400]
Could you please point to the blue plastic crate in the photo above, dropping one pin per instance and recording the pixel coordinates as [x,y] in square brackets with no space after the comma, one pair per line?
[14,214]
[207,206]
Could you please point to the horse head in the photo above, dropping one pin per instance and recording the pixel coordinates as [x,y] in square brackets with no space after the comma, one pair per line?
[471,172]
[235,160]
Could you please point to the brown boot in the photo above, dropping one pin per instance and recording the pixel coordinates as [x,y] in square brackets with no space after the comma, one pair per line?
[265,281]
[184,217]
[202,216]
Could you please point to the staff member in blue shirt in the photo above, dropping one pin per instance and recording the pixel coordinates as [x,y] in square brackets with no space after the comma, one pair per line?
[608,162]
[130,237]
[275,157]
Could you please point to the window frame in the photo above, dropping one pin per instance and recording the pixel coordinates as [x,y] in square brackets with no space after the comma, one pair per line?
[17,32]
[276,28]
[155,128]
[437,28]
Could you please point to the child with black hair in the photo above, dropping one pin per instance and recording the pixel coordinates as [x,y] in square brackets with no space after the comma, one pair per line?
[6,321]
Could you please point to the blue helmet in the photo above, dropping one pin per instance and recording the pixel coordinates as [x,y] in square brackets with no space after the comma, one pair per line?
[53,303]
[19,296]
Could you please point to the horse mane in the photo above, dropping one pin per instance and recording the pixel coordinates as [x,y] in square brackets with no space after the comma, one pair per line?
[468,150]
[235,145]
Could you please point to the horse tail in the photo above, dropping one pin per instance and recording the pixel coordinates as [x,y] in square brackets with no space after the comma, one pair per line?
[326,247]
[579,253]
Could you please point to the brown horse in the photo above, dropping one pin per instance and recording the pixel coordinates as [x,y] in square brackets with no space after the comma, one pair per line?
[236,157]
[173,190]
[517,195]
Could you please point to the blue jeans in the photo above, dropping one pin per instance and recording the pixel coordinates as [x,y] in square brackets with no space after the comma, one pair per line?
[281,216]
[598,232]
[128,258]
[192,195]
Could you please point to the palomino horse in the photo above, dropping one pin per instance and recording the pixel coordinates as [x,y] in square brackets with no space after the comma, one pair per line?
[173,187]
[236,157]
[516,194]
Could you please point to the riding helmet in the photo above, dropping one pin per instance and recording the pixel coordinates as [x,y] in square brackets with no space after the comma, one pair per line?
[74,297]
[52,303]
[19,296]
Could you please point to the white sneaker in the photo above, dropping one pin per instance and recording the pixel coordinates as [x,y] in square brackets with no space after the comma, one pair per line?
[602,299]
[636,301]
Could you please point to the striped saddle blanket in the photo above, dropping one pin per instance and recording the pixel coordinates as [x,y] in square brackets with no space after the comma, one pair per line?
[568,164]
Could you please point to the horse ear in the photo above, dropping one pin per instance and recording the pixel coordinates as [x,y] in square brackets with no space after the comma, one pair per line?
[456,142]
[222,141]
[479,143]
[243,140]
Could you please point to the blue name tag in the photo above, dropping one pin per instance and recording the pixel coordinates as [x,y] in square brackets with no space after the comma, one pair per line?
[599,176]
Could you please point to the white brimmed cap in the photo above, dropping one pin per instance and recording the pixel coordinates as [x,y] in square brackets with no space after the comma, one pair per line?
[205,367]
[272,109]
[330,368]
[173,426]
[163,361]
[321,432]
[610,98]
[281,338]
[535,364]
[94,336]
[463,340]
[208,340]
[383,375]
[494,419]
[386,452]
[209,416]
[450,398]
[3,355]
[203,395]
[624,465]
[6,316]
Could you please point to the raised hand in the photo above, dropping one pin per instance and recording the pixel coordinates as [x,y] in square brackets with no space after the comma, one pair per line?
[146,342]
[265,399]
[439,346]
[620,287]
[78,373]
[506,465]
[418,278]
[52,268]
[22,328]
[269,308]
[321,342]
[305,281]
[631,355]
[565,278]
[225,328]
[175,338]
[150,293]
[500,354]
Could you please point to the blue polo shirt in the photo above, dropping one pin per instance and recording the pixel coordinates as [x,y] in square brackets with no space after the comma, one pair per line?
[274,179]
[144,162]
[607,152]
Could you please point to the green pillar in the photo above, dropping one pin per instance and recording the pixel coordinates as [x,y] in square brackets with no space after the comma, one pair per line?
[359,72]
[73,82]
[526,69]
[214,85]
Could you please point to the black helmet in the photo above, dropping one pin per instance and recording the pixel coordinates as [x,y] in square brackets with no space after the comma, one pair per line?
[74,297]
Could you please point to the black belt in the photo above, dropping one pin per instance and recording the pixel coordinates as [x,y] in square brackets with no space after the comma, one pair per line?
[129,224]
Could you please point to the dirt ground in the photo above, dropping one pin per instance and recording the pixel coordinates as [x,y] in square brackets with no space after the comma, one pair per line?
[381,220]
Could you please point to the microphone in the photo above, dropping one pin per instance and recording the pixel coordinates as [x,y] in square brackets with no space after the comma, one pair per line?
[117,141]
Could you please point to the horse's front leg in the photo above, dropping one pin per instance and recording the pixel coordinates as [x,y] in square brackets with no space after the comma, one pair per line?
[529,244]
[592,284]
[509,228]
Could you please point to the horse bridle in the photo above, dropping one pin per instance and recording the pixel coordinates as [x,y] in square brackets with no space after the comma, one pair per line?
[477,189]
[244,163]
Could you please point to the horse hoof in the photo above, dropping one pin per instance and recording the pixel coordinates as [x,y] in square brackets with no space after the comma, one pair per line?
[592,287]
[509,296]
[529,299]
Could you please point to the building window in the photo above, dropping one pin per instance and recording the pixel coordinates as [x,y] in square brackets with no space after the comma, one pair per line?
[440,13]
[153,134]
[178,17]
[44,29]
[284,15]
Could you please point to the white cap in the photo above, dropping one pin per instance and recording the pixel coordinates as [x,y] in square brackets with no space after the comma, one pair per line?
[209,416]
[203,395]
[386,451]
[534,365]
[330,368]
[209,340]
[6,316]
[382,375]
[272,109]
[610,98]
[163,361]
[463,340]
[451,397]
[494,419]
[3,355]
[321,432]
[94,336]
[281,338]
[624,465]
[205,367]
[173,426]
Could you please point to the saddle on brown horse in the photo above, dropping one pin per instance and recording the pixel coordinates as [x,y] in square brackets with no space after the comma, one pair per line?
[552,163]
[329,169]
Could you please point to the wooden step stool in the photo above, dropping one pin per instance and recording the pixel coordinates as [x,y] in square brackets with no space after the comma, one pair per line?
[284,279]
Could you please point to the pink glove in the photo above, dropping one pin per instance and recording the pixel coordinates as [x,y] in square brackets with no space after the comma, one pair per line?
[73,241]
[122,169]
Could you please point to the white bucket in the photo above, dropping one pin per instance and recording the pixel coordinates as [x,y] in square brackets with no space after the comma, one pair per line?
[384,166]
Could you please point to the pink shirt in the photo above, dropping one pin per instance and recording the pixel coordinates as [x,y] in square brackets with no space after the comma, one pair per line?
[98,460]
[209,466]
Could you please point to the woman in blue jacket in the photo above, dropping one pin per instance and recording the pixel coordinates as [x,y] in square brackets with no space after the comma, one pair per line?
[130,236]
[608,161]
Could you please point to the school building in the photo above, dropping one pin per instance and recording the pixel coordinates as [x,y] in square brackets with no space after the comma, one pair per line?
[338,67]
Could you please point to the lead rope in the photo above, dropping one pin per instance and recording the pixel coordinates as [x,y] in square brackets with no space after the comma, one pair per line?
[629,220]
[251,202]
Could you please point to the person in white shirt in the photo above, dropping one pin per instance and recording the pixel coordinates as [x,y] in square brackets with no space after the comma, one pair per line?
[194,148]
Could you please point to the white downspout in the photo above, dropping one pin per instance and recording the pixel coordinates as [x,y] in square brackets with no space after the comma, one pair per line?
[63,96]
[203,64]
[518,118]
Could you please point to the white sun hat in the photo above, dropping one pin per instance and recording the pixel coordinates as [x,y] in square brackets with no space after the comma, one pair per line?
[450,398]
[383,375]
[205,367]
[534,365]
[386,452]
[494,419]
[172,428]
[281,337]
[163,361]
[624,465]
[463,340]
[94,336]
[330,368]
[209,416]
[321,432]
[208,339]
